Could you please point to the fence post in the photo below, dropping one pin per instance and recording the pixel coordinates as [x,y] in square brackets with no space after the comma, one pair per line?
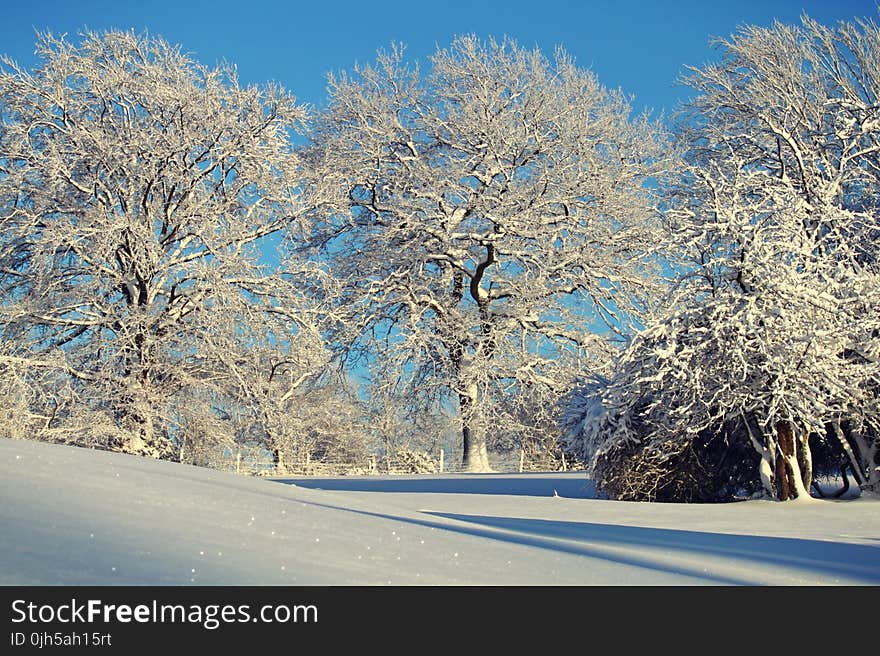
[564,465]
[238,461]
[522,459]
[441,460]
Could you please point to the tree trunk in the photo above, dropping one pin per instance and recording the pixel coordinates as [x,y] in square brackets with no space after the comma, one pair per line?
[278,461]
[140,436]
[866,456]
[844,437]
[805,460]
[144,440]
[766,449]
[149,442]
[791,467]
[474,453]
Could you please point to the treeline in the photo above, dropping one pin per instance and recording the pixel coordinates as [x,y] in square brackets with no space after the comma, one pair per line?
[493,244]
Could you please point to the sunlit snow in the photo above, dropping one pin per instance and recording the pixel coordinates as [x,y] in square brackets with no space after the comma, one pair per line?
[73,516]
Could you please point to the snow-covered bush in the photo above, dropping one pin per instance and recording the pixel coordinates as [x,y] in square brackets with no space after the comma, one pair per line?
[770,335]
[406,461]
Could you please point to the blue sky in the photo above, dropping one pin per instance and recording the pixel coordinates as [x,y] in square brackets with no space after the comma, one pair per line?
[638,46]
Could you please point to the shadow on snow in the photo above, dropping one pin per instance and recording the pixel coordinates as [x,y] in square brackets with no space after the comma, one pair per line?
[573,486]
[833,558]
[672,547]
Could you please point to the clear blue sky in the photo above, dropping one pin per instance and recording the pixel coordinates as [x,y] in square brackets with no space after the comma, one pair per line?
[638,46]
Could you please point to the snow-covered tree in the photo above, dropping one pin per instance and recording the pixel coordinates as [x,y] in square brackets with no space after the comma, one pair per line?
[397,426]
[136,187]
[490,221]
[769,342]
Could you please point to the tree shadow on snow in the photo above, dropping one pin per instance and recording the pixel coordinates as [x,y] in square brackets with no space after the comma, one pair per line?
[852,561]
[671,547]
[572,486]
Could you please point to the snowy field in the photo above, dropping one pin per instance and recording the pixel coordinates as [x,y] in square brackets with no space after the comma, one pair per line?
[72,516]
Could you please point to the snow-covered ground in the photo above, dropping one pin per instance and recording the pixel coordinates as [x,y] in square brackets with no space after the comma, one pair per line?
[72,516]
